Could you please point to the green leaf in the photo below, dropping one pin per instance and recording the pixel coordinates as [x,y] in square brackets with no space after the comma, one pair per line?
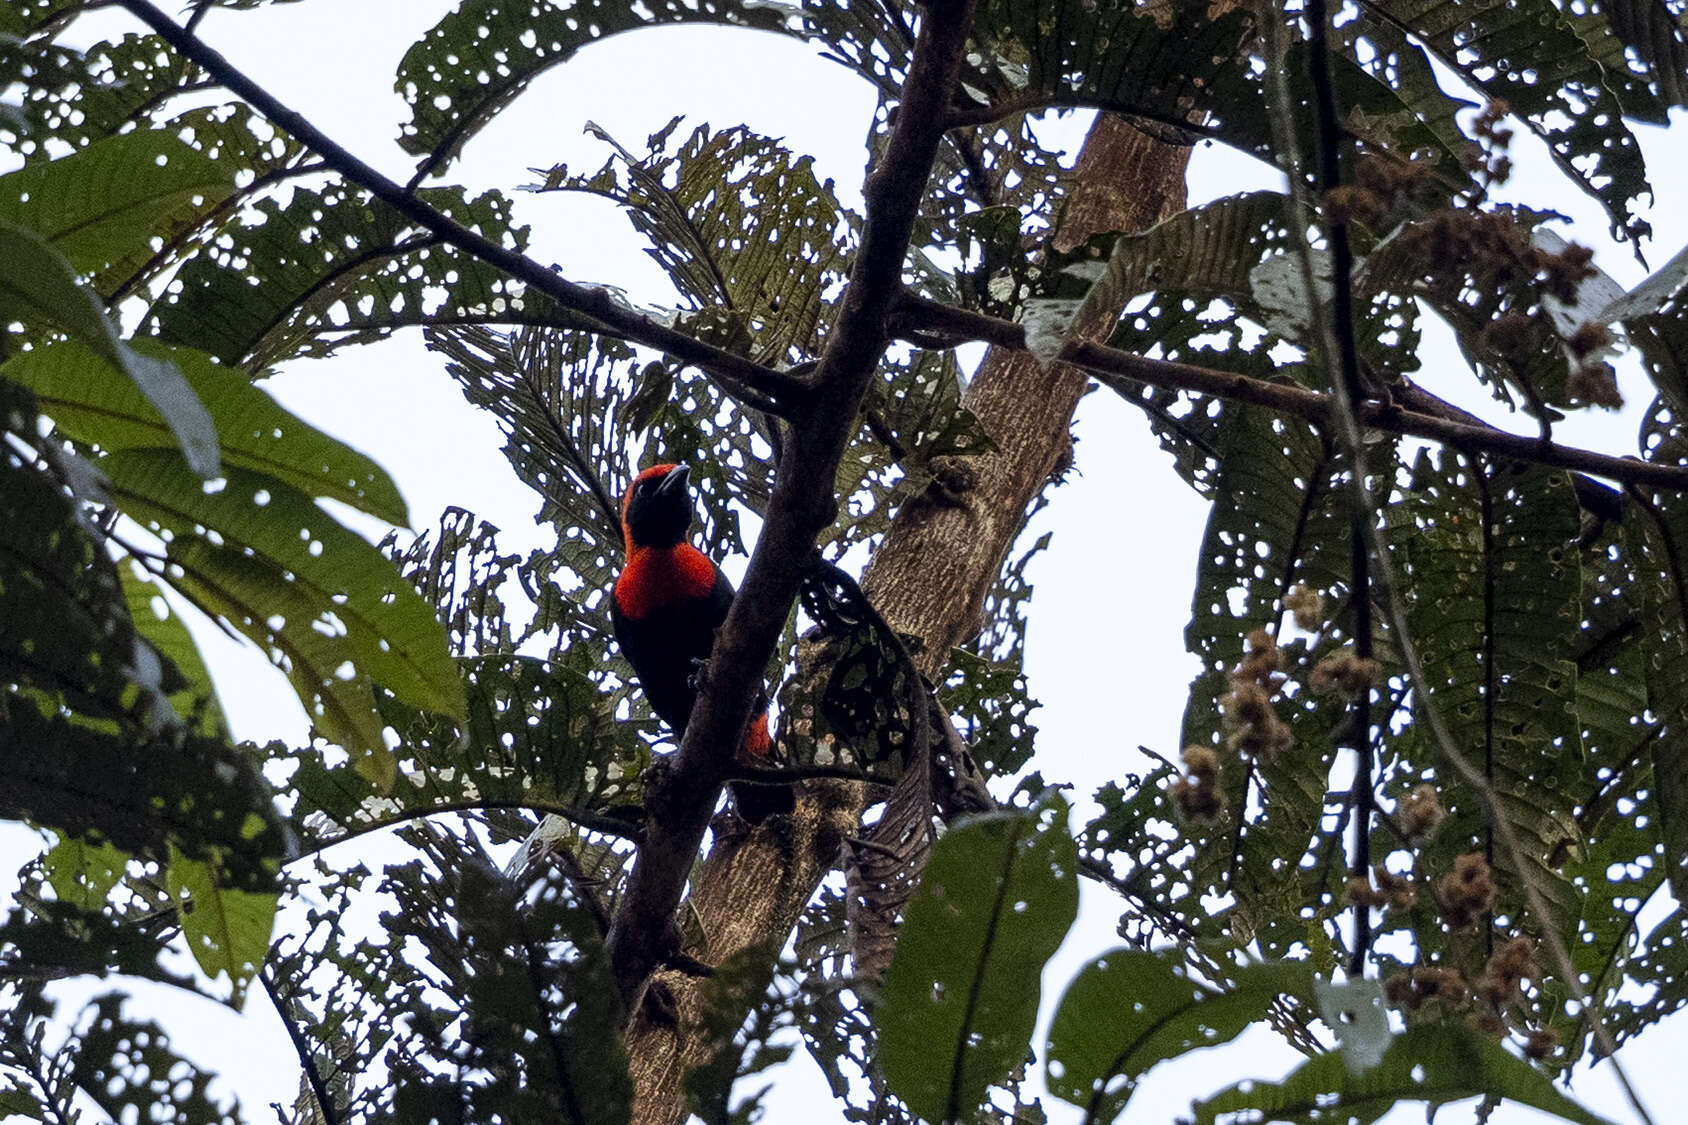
[1128,1010]
[67,625]
[539,734]
[1432,1063]
[101,205]
[160,626]
[82,872]
[39,288]
[960,999]
[255,431]
[1527,54]
[476,60]
[227,930]
[201,799]
[128,1068]
[326,605]
[741,226]
[1495,593]
[1114,55]
[339,266]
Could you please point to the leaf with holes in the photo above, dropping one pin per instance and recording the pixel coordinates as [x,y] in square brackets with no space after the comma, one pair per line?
[1527,54]
[1128,1010]
[1494,597]
[39,288]
[1434,1064]
[100,204]
[227,930]
[328,607]
[743,228]
[477,60]
[255,431]
[340,266]
[960,999]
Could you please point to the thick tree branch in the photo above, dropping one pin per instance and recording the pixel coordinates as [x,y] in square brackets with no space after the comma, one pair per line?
[1112,368]
[766,388]
[1415,411]
[802,505]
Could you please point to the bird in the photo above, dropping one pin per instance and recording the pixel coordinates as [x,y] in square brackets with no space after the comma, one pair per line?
[666,605]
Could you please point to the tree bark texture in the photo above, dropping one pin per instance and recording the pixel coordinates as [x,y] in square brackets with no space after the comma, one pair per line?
[929,577]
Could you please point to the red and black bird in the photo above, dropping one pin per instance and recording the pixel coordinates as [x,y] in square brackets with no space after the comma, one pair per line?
[670,599]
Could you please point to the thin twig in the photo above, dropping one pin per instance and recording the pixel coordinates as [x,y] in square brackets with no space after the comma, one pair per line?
[592,822]
[736,374]
[302,1047]
[1338,330]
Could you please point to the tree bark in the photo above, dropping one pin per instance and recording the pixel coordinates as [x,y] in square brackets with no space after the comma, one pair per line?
[929,577]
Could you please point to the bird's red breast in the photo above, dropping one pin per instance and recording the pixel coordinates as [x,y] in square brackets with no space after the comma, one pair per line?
[655,577]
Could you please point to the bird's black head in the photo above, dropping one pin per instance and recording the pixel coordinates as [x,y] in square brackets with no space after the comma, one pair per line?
[658,507]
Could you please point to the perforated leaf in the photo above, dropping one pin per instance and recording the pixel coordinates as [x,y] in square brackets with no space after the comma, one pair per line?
[1494,606]
[325,605]
[477,59]
[337,265]
[99,206]
[1528,55]
[39,288]
[740,225]
[1128,1010]
[255,431]
[1432,1064]
[959,1002]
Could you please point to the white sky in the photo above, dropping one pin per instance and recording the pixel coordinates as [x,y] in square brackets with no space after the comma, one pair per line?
[335,63]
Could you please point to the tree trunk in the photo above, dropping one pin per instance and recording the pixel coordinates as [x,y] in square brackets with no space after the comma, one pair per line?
[929,577]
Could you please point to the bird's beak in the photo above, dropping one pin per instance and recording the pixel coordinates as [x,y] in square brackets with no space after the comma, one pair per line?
[675,483]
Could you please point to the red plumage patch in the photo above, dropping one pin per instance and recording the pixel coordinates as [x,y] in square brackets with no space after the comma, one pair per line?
[656,578]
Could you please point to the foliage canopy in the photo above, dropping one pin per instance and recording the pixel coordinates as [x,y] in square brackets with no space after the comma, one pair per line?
[1439,744]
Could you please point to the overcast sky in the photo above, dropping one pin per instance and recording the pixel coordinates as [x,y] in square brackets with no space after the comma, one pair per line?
[1125,519]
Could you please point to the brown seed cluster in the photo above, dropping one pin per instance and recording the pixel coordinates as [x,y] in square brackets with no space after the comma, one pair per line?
[1420,813]
[1383,890]
[1256,730]
[1593,383]
[1382,191]
[1197,793]
[1510,966]
[1344,673]
[1308,607]
[1490,164]
[1466,893]
[1540,1043]
[1410,989]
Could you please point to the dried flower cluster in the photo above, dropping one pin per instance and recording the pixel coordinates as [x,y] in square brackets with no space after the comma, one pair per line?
[1308,607]
[1197,793]
[1420,813]
[1593,383]
[1490,165]
[1256,730]
[1410,989]
[1510,966]
[1383,890]
[1466,893]
[1382,192]
[1344,673]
